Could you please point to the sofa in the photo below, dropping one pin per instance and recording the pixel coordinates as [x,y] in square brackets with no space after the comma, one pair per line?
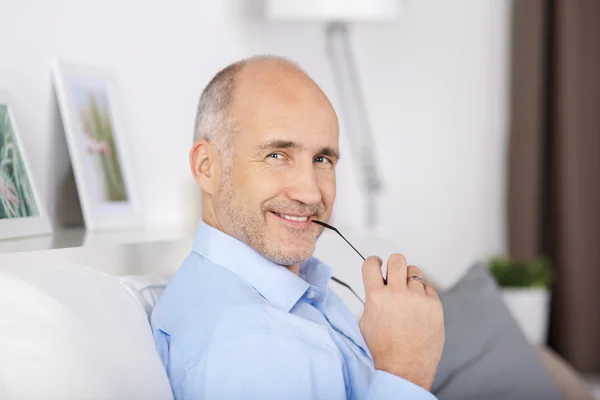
[75,323]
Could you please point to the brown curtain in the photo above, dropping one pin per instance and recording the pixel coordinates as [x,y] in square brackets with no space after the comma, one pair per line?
[554,163]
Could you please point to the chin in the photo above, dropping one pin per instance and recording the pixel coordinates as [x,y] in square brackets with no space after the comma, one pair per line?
[290,255]
[285,246]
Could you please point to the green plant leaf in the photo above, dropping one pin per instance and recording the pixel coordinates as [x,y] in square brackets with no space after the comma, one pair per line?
[512,273]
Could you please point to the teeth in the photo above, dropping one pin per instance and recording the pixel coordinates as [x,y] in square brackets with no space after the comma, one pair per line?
[292,218]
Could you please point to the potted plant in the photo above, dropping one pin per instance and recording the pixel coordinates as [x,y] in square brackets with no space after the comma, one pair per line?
[525,289]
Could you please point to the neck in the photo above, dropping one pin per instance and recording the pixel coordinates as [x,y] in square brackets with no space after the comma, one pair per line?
[294,268]
[208,214]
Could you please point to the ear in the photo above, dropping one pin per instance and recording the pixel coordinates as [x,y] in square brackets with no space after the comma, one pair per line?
[205,163]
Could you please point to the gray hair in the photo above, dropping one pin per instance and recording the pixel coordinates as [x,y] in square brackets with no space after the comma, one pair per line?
[214,121]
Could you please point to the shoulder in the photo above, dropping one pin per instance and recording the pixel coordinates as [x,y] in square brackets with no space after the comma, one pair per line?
[207,305]
[199,294]
[253,327]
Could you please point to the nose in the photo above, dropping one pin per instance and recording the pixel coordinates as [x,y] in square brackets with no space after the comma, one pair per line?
[305,187]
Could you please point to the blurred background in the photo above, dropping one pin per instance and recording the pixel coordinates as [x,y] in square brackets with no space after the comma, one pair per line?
[484,119]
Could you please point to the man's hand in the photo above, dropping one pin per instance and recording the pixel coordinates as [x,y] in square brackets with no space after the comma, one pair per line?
[402,322]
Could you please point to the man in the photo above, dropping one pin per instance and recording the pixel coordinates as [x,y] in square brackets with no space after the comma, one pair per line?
[249,313]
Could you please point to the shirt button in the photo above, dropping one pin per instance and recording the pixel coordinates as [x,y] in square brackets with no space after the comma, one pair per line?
[311,294]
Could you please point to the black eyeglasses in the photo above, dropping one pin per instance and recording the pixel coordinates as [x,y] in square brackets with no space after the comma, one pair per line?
[333,278]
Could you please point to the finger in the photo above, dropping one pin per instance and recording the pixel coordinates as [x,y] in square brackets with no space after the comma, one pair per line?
[413,284]
[396,271]
[431,292]
[371,271]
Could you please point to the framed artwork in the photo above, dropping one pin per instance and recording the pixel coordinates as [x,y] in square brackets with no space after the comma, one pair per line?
[95,137]
[21,210]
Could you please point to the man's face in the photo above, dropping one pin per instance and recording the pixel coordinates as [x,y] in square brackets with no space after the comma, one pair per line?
[282,175]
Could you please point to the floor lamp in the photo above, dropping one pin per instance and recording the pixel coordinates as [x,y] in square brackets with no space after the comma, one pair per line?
[337,15]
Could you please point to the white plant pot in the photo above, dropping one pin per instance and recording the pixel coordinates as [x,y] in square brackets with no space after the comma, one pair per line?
[530,307]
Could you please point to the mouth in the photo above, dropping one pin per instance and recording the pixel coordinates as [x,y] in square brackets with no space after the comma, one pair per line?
[295,220]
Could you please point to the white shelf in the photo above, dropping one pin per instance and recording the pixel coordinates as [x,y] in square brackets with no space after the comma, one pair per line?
[114,253]
[79,237]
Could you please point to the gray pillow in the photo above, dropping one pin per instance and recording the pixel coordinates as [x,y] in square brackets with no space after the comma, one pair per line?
[486,356]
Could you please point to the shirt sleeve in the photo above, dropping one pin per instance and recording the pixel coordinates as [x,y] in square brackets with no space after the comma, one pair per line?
[386,386]
[264,366]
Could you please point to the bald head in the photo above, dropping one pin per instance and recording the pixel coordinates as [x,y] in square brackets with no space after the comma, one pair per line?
[240,84]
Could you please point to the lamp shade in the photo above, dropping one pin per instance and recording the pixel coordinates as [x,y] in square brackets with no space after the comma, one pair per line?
[332,10]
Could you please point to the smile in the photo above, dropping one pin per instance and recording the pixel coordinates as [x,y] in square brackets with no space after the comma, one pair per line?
[294,219]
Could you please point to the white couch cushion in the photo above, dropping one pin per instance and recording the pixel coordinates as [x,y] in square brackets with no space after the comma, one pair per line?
[70,332]
[146,288]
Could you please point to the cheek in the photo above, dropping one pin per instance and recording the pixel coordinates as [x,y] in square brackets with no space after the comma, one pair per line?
[260,184]
[328,189]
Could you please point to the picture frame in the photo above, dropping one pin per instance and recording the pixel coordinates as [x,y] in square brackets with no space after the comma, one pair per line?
[22,212]
[91,116]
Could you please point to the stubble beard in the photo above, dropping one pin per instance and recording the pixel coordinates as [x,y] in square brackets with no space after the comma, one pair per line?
[252,228]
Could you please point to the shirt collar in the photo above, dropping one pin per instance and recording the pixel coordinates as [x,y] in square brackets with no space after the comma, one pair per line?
[318,276]
[277,284]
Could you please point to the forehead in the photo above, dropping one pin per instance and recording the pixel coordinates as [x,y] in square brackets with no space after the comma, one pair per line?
[288,108]
[306,124]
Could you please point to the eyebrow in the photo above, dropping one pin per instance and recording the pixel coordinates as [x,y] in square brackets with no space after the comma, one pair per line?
[288,144]
[281,144]
[329,152]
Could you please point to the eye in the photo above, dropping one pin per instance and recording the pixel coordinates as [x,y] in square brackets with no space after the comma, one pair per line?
[276,156]
[322,160]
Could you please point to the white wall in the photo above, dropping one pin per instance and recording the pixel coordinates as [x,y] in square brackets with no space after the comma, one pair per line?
[435,84]
[437,90]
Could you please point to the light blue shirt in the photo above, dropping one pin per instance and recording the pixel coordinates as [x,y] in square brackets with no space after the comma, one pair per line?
[234,325]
